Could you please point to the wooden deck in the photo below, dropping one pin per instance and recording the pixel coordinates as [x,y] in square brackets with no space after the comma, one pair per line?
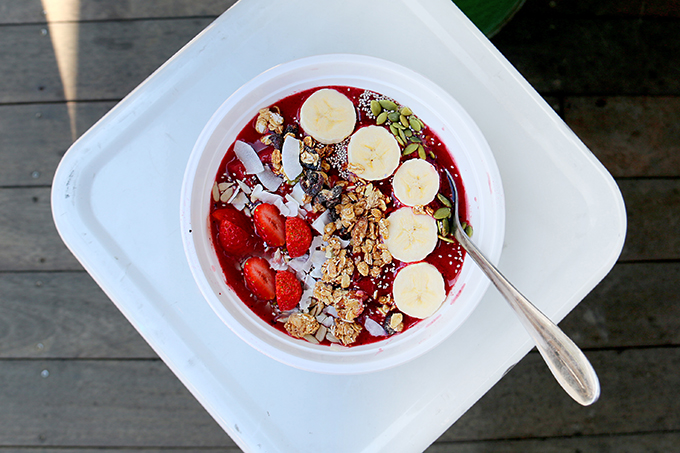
[76,377]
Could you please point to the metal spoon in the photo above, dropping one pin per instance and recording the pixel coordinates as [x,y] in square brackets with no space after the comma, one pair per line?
[566,361]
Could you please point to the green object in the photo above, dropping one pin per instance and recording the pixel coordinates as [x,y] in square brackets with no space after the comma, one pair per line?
[489,15]
[445,239]
[445,201]
[442,213]
[410,148]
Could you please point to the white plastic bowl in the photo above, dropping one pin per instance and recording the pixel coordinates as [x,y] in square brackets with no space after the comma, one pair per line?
[471,153]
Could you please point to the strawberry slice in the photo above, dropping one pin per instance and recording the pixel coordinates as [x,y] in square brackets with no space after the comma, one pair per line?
[298,236]
[235,234]
[270,224]
[233,215]
[260,278]
[288,290]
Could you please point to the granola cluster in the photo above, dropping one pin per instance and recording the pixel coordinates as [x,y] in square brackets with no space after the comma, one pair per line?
[269,119]
[301,324]
[347,332]
[348,305]
[311,155]
[339,267]
[361,215]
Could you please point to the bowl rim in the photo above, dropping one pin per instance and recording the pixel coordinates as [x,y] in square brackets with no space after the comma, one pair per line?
[385,77]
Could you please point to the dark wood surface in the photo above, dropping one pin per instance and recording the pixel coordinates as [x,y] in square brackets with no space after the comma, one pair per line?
[76,377]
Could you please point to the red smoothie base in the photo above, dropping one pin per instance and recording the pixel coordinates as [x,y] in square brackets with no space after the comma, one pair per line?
[447,257]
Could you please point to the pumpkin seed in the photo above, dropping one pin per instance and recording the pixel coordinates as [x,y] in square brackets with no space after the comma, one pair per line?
[393,116]
[445,201]
[445,239]
[414,123]
[446,227]
[404,121]
[421,152]
[442,213]
[394,130]
[406,111]
[468,230]
[400,141]
[410,148]
[408,132]
[433,155]
[376,108]
[387,104]
[443,225]
[402,135]
[381,118]
[415,139]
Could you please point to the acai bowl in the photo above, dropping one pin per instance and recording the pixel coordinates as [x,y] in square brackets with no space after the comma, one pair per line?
[315,213]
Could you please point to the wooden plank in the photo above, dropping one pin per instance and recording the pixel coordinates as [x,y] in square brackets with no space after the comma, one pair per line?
[131,403]
[629,443]
[31,11]
[603,56]
[34,138]
[63,315]
[28,237]
[29,66]
[632,136]
[620,8]
[636,305]
[653,209]
[111,58]
[66,315]
[640,394]
[571,56]
[37,11]
[121,450]
[138,403]
[30,242]
[13,12]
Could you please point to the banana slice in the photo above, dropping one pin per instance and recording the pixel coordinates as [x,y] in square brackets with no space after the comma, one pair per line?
[411,236]
[416,182]
[328,116]
[373,153]
[418,290]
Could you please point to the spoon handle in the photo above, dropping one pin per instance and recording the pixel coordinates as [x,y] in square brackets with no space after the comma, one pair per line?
[566,361]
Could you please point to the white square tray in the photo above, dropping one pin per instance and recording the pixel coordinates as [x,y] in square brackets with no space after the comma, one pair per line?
[116,204]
